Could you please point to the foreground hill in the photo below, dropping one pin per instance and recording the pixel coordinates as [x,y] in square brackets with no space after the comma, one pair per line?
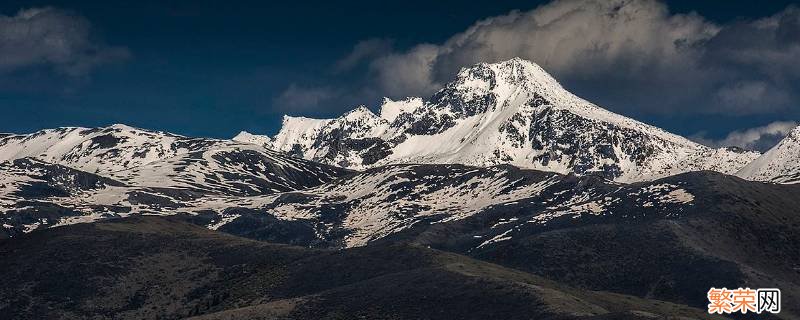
[154,267]
[732,233]
[669,239]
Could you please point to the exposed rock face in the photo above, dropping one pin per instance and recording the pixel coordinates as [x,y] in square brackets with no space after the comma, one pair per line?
[510,112]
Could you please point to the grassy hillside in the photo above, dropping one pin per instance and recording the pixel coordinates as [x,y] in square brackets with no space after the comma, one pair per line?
[148,267]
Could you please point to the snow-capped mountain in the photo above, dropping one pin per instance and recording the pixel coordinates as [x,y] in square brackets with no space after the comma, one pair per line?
[101,150]
[667,239]
[382,202]
[248,190]
[70,175]
[781,164]
[67,175]
[351,211]
[159,159]
[510,112]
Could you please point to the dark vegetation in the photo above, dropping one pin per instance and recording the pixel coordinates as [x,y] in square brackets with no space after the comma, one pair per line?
[165,268]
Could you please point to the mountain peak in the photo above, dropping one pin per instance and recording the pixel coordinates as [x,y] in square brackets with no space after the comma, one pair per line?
[522,65]
[247,137]
[122,126]
[360,112]
[513,72]
[515,62]
[509,83]
[507,112]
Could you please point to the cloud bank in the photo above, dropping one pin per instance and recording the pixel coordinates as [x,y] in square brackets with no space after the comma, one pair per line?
[54,39]
[759,138]
[297,98]
[631,56]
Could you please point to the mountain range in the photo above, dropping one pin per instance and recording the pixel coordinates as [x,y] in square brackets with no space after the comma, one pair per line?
[510,112]
[501,192]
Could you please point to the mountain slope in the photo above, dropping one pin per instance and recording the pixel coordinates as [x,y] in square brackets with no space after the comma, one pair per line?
[28,188]
[98,150]
[231,169]
[670,239]
[157,268]
[582,230]
[781,164]
[70,175]
[382,201]
[158,159]
[510,112]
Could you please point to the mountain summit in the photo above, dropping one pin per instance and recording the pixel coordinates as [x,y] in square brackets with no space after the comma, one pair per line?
[510,112]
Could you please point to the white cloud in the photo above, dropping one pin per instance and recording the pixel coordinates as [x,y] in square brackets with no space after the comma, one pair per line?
[569,38]
[627,55]
[53,38]
[402,74]
[298,99]
[740,97]
[634,57]
[770,46]
[363,50]
[584,37]
[759,138]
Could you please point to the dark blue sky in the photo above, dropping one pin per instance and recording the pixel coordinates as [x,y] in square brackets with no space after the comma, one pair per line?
[213,68]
